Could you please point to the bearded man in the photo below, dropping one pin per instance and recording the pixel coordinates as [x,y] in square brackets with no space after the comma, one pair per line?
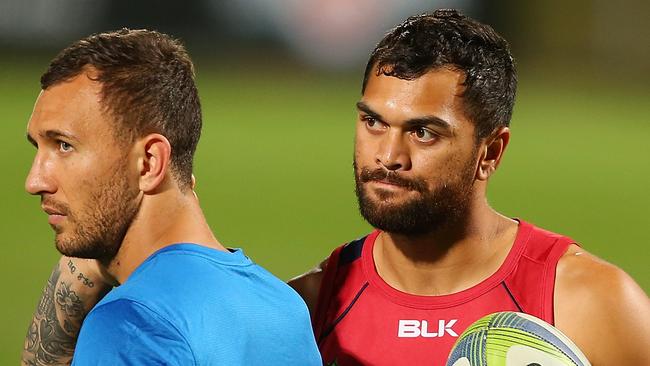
[432,127]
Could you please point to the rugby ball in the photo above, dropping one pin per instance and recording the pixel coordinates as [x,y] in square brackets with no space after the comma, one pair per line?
[514,339]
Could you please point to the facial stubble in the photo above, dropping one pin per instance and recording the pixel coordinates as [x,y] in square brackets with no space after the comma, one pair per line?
[99,230]
[444,205]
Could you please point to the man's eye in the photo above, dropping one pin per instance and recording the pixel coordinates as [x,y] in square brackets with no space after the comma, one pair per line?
[372,123]
[64,146]
[424,134]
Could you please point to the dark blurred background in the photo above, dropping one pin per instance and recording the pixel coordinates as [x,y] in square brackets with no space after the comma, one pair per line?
[278,81]
[598,37]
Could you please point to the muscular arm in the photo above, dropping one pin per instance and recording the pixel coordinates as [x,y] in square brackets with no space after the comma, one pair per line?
[602,310]
[73,288]
[307,285]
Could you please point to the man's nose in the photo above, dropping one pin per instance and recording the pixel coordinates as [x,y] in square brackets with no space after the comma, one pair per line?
[40,180]
[393,152]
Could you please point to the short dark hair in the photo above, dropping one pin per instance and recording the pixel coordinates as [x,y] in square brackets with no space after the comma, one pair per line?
[447,38]
[147,84]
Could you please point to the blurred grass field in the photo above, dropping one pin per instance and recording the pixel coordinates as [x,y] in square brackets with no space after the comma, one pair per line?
[275,174]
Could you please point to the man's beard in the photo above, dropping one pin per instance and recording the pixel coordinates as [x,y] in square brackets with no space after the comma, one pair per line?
[98,231]
[443,206]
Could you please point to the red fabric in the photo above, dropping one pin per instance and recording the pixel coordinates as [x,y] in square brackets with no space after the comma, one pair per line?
[368,332]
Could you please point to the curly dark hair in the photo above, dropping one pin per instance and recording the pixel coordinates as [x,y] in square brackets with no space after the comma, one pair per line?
[147,85]
[447,38]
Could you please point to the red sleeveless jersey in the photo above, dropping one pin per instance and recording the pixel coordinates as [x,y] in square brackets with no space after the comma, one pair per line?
[361,320]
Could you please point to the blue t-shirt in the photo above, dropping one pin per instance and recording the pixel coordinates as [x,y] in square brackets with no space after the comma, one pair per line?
[193,305]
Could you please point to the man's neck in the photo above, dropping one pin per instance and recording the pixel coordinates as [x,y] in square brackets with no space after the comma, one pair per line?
[449,260]
[164,219]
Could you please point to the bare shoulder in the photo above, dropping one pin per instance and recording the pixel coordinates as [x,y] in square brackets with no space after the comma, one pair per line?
[602,310]
[308,284]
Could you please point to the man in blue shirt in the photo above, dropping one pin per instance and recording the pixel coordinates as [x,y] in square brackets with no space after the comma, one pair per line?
[115,127]
[217,308]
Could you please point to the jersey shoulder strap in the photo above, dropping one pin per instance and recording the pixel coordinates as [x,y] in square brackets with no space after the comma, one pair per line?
[342,256]
[532,283]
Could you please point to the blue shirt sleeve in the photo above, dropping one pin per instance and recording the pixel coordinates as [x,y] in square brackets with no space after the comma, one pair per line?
[125,332]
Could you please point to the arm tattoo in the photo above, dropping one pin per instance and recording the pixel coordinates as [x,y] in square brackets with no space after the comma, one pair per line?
[52,335]
[86,281]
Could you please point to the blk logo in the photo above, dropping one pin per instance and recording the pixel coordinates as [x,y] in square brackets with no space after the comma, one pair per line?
[417,328]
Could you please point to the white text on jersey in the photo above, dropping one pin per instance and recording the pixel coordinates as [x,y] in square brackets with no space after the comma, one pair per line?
[416,328]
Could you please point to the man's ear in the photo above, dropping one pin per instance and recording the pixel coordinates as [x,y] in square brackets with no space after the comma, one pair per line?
[492,152]
[154,152]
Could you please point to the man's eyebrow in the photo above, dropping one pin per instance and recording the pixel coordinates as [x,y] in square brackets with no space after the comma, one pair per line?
[428,121]
[414,122]
[56,134]
[52,135]
[363,107]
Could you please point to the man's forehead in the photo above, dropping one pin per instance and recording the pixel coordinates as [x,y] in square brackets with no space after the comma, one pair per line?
[437,92]
[76,89]
[438,81]
[74,103]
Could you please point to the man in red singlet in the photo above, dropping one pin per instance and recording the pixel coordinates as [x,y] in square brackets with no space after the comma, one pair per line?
[436,102]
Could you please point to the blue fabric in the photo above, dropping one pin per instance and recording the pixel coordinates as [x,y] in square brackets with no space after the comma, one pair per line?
[192,305]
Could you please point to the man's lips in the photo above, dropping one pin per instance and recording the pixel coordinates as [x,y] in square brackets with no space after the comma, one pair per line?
[51,211]
[54,216]
[385,183]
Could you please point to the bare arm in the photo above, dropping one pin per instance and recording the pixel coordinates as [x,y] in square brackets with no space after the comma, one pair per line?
[308,285]
[74,287]
[602,310]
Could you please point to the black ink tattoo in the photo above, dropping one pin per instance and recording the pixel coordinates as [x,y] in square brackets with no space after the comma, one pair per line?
[47,341]
[86,281]
[69,301]
[72,267]
[81,277]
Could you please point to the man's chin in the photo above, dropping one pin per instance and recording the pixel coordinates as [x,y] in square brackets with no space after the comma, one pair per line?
[70,252]
[76,250]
